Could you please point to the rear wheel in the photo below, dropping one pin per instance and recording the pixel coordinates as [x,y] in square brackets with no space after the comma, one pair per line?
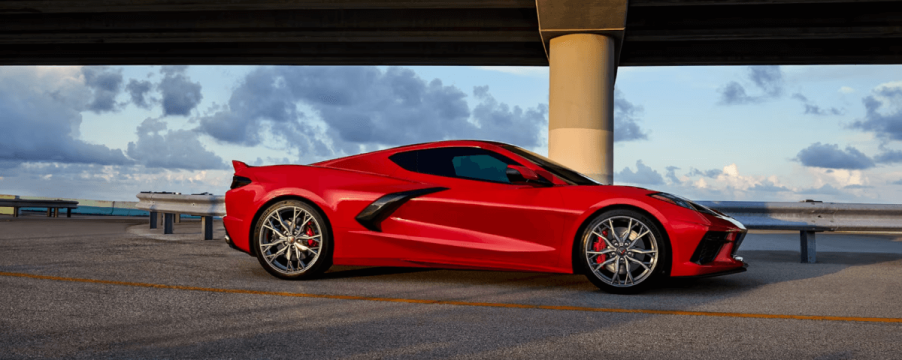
[292,240]
[623,252]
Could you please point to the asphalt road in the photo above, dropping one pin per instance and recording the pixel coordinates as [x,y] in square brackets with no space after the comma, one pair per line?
[110,288]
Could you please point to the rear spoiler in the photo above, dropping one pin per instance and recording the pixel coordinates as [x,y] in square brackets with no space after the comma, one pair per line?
[238,165]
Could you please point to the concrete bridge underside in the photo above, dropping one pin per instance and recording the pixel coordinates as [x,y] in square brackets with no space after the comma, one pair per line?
[437,32]
[583,41]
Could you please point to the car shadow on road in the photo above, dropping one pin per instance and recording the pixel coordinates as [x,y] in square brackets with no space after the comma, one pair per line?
[344,272]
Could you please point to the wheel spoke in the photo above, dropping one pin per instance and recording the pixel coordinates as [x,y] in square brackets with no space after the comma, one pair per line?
[646,252]
[268,246]
[617,270]
[307,217]
[629,229]
[606,262]
[281,222]
[629,274]
[272,257]
[637,238]
[611,226]
[606,251]
[294,220]
[277,232]
[639,262]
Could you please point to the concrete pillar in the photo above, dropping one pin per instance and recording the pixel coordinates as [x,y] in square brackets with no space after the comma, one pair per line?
[15,212]
[178,218]
[68,212]
[49,212]
[581,104]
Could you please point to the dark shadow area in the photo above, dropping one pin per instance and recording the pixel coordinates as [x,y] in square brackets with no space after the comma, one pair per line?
[343,272]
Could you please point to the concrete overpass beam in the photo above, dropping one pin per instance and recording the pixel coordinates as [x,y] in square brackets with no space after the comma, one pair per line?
[582,41]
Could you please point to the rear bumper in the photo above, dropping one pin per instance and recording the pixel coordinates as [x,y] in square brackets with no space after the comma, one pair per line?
[228,240]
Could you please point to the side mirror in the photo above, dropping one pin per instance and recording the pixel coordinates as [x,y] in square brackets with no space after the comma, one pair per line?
[521,174]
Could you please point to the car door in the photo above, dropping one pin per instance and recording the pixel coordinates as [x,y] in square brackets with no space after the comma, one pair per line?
[481,220]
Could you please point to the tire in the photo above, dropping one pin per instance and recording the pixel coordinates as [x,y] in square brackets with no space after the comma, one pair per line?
[604,258]
[289,251]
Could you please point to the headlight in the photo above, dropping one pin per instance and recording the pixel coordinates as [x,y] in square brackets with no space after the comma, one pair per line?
[686,203]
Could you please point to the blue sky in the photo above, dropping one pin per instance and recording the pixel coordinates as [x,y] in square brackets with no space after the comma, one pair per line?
[777,133]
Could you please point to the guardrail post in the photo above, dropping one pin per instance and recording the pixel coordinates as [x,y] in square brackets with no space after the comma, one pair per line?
[207,224]
[809,253]
[167,223]
[153,220]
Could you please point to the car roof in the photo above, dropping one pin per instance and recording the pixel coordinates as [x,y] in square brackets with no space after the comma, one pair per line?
[426,145]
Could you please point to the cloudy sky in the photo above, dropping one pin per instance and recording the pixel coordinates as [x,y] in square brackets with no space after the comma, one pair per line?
[779,133]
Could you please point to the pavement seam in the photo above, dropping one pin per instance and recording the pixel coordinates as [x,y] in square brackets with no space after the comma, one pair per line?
[462,303]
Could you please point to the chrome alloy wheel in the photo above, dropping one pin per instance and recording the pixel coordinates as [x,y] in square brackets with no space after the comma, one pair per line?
[621,251]
[290,240]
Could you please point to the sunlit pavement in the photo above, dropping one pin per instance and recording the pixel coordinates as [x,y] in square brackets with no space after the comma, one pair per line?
[110,287]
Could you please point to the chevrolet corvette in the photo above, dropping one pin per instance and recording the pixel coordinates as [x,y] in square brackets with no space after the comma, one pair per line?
[472,205]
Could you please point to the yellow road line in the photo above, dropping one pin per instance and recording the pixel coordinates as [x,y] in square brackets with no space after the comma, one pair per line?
[462,303]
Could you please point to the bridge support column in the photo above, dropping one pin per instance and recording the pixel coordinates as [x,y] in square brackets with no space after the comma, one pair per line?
[581,104]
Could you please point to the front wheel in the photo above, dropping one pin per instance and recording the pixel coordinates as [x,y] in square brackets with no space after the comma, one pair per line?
[623,252]
[292,240]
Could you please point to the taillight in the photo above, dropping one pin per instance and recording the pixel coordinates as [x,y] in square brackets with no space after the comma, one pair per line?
[239,181]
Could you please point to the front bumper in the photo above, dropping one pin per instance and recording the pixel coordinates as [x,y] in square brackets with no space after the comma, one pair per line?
[708,248]
[737,270]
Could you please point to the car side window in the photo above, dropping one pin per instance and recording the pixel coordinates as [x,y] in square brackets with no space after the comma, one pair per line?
[480,167]
[459,162]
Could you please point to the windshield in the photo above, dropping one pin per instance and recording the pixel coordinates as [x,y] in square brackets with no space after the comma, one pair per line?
[567,175]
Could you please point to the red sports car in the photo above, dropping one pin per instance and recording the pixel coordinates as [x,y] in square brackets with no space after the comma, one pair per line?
[471,205]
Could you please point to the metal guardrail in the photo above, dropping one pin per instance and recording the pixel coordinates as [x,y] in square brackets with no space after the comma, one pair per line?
[53,206]
[172,205]
[809,217]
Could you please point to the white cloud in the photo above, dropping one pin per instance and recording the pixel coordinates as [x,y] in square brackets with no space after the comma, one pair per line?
[846,90]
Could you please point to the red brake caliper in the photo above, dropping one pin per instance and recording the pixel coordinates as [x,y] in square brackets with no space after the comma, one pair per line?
[309,232]
[599,245]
